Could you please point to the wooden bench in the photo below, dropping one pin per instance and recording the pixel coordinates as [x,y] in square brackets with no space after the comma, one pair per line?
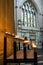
[20,56]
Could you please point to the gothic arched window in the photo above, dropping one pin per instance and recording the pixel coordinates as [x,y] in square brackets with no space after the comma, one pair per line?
[28,15]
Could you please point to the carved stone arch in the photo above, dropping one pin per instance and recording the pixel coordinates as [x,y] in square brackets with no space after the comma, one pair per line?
[36,6]
[23,2]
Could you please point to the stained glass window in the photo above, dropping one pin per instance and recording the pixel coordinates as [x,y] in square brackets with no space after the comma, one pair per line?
[22,16]
[25,18]
[34,20]
[32,17]
[26,7]
[23,7]
[28,15]
[28,18]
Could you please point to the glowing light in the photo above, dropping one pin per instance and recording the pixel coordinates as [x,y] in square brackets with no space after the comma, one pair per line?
[13,34]
[34,45]
[26,41]
[16,36]
[9,33]
[6,32]
[22,39]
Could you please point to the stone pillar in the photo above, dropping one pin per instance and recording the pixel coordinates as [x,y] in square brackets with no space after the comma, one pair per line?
[6,24]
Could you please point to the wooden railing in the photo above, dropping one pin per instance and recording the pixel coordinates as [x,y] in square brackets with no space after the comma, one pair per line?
[26,56]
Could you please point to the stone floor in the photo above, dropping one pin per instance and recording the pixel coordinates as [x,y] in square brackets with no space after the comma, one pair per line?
[39,58]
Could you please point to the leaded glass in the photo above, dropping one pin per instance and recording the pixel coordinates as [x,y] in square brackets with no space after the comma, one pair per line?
[29,8]
[26,7]
[28,4]
[31,19]
[22,16]
[28,18]
[34,20]
[23,7]
[25,18]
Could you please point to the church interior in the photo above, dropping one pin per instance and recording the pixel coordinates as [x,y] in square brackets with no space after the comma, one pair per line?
[21,21]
